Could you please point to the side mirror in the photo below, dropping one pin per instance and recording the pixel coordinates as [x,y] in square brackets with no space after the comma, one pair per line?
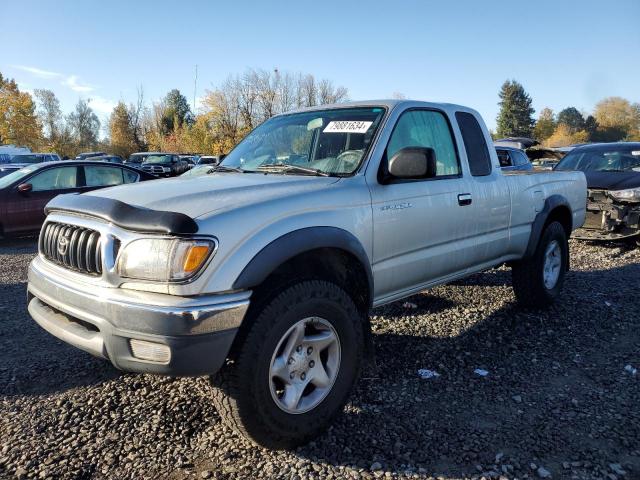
[413,163]
[25,187]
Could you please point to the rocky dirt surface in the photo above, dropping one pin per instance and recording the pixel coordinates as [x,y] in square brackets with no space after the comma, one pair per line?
[519,393]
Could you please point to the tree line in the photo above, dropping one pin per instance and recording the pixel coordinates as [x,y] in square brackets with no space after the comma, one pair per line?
[243,101]
[613,119]
[227,114]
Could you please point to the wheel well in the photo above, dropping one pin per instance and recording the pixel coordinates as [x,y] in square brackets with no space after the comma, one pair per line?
[562,215]
[331,264]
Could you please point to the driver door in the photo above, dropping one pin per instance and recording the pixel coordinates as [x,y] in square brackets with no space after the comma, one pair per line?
[419,224]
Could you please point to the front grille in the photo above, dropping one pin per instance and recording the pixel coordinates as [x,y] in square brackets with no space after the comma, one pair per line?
[153,169]
[73,247]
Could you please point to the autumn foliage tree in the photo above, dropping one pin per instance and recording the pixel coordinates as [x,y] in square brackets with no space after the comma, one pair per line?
[19,123]
[121,133]
[545,126]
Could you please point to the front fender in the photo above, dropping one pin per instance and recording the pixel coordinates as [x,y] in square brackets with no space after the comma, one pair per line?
[294,243]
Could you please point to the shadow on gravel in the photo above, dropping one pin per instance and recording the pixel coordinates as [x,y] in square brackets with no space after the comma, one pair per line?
[10,246]
[32,361]
[555,388]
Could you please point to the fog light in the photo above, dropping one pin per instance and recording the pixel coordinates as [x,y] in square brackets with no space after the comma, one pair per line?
[154,352]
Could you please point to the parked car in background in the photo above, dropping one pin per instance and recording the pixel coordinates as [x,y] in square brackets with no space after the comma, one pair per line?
[613,183]
[136,159]
[107,158]
[16,162]
[209,160]
[511,159]
[8,151]
[164,164]
[191,159]
[84,156]
[545,163]
[25,192]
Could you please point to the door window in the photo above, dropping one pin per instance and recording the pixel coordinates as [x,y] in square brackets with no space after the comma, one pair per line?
[54,179]
[426,128]
[102,176]
[130,177]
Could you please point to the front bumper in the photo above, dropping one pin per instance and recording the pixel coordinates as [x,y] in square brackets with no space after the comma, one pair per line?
[198,331]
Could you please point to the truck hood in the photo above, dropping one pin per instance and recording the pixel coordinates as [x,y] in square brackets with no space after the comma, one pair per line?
[214,192]
[612,180]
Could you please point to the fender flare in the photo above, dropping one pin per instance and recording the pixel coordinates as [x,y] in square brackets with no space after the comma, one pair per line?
[541,219]
[300,241]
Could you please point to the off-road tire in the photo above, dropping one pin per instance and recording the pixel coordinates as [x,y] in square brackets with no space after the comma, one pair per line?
[242,395]
[527,274]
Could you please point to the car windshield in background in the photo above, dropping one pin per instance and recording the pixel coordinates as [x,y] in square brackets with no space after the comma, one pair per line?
[621,159]
[26,159]
[323,142]
[17,175]
[157,159]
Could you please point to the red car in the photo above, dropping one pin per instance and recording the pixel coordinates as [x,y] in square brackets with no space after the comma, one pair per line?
[25,192]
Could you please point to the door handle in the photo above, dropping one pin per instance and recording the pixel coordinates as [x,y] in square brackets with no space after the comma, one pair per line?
[464,199]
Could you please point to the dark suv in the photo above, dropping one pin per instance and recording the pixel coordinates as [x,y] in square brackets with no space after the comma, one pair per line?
[164,164]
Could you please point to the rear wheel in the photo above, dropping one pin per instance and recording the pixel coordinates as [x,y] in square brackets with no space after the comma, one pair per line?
[293,370]
[538,281]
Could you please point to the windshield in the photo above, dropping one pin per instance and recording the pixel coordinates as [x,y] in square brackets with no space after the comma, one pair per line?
[157,159]
[17,175]
[26,159]
[612,159]
[331,142]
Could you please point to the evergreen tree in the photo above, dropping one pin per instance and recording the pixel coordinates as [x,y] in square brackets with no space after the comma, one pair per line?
[516,114]
[572,118]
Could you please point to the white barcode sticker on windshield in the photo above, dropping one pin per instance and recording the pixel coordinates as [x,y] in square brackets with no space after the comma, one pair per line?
[347,126]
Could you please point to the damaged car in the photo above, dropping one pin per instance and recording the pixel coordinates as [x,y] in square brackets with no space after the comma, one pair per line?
[613,182]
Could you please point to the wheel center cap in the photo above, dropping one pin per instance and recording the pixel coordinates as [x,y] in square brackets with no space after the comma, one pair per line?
[299,362]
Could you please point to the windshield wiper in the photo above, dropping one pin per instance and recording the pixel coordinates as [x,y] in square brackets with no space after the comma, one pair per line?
[288,168]
[226,168]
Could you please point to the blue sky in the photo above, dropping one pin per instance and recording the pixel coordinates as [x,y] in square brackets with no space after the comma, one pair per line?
[565,53]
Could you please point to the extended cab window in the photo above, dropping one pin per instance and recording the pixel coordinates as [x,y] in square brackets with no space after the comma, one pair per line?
[426,128]
[474,144]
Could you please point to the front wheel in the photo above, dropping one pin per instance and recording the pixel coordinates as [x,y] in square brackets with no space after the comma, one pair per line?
[293,370]
[538,281]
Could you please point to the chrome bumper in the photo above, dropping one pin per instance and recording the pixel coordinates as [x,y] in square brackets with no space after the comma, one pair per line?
[102,321]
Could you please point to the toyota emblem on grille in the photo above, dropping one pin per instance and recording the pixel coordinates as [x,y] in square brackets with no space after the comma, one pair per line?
[63,245]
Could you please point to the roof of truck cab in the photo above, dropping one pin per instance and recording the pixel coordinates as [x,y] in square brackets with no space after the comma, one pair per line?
[389,103]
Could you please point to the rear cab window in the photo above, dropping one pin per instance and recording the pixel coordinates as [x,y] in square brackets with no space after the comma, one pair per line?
[474,144]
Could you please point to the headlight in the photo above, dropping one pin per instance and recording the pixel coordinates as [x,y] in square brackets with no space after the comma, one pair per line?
[166,169]
[629,195]
[163,259]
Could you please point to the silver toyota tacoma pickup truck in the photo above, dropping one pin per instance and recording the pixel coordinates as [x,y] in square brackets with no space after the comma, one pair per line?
[262,272]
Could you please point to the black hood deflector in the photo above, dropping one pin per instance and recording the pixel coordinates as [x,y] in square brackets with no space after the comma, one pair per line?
[124,215]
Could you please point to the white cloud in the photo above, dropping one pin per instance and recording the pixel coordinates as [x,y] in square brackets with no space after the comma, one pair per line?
[72,82]
[102,105]
[38,72]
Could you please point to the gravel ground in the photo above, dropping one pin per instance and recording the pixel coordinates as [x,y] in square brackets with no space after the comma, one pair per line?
[556,401]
